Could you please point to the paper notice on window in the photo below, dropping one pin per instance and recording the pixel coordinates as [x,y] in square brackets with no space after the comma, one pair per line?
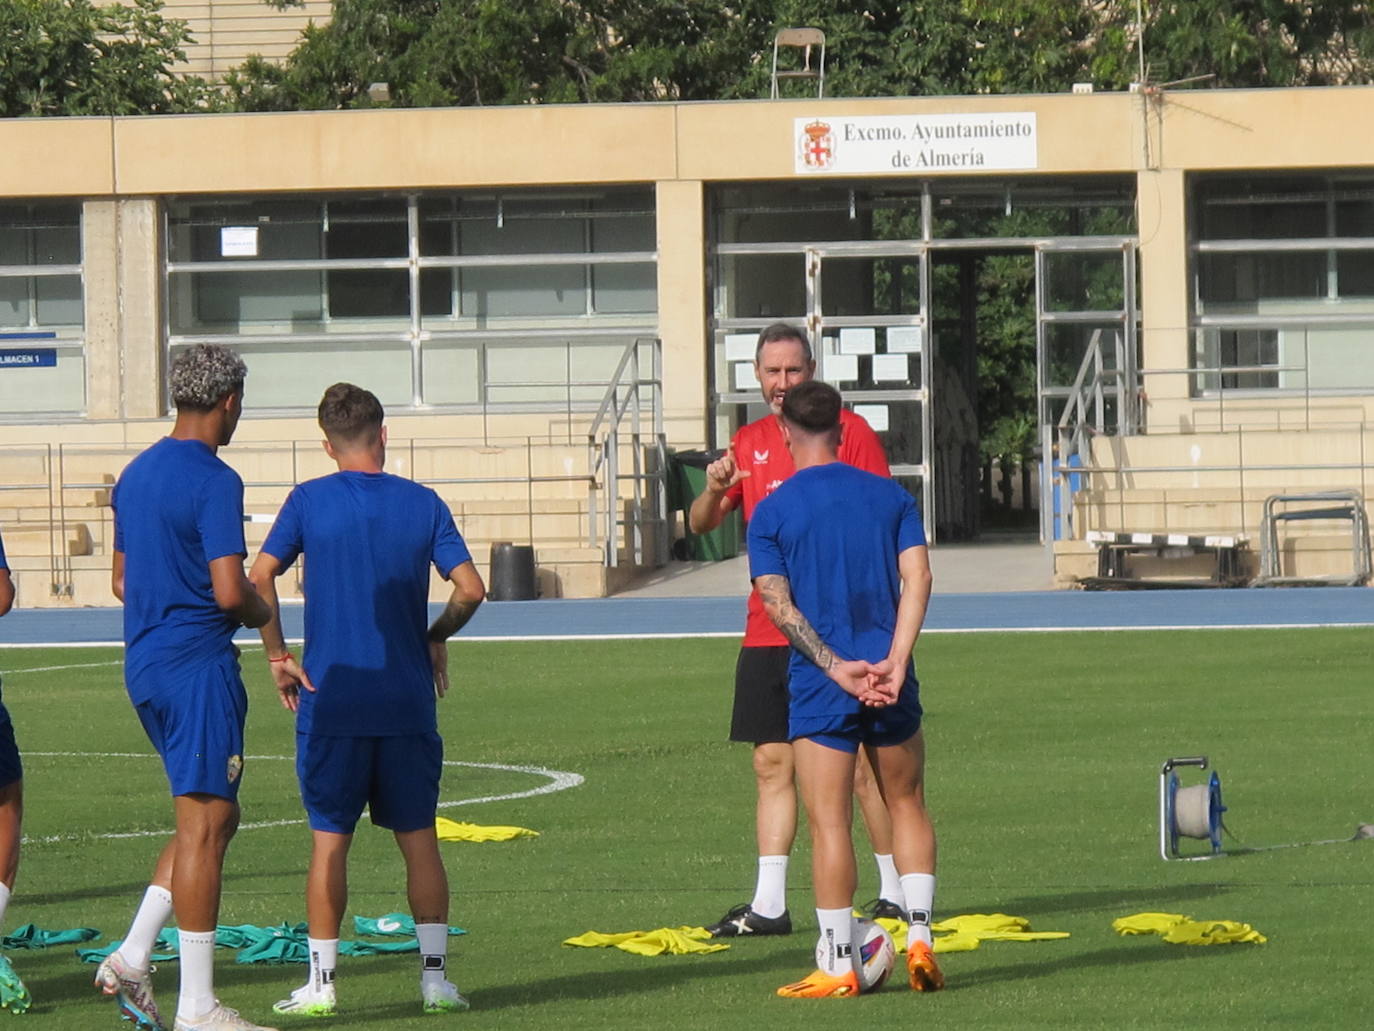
[739,347]
[874,415]
[840,368]
[238,242]
[858,341]
[904,339]
[744,376]
[890,368]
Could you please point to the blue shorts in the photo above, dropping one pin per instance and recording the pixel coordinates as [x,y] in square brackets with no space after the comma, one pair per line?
[396,778]
[197,728]
[11,769]
[889,725]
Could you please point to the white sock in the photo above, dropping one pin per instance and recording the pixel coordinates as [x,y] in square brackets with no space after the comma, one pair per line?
[889,881]
[152,916]
[835,949]
[197,974]
[324,958]
[4,903]
[919,892]
[433,939]
[770,891]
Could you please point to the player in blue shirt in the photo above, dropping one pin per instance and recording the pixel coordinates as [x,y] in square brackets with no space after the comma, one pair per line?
[178,569]
[363,693]
[13,995]
[839,558]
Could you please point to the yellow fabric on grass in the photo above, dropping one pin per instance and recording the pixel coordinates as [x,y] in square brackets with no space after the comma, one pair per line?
[676,941]
[452,830]
[1177,929]
[965,933]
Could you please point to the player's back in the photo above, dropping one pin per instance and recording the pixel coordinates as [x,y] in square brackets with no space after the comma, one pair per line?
[369,540]
[178,507]
[839,531]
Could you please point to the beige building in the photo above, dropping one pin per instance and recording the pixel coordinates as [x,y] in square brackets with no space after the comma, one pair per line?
[228,32]
[504,278]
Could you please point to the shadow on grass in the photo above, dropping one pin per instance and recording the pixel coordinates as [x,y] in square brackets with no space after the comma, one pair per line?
[590,985]
[1126,954]
[133,890]
[1111,899]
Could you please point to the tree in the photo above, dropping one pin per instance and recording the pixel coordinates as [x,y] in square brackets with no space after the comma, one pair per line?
[471,52]
[71,57]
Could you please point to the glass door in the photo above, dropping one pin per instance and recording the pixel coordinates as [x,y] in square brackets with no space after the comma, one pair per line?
[867,313]
[1087,358]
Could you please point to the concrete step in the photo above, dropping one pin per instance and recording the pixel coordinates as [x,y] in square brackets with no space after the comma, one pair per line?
[74,539]
[16,498]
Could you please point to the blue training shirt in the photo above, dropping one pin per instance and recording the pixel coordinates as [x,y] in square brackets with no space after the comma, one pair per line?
[368,540]
[835,532]
[177,507]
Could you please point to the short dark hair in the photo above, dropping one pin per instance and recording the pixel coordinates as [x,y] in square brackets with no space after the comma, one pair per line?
[812,406]
[349,414]
[204,375]
[781,331]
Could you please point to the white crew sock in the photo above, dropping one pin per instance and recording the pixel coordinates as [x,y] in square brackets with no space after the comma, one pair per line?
[324,958]
[889,881]
[433,939]
[4,904]
[197,974]
[919,892]
[770,891]
[152,916]
[835,949]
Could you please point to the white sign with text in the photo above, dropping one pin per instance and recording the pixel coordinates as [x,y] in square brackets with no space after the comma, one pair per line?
[919,144]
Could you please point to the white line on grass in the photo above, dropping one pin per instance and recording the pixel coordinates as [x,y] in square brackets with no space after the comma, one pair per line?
[74,665]
[559,780]
[689,635]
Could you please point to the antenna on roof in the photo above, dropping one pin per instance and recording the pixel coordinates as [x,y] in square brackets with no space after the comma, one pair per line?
[1151,91]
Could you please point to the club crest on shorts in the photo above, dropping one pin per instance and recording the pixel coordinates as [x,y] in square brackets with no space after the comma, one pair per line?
[235,767]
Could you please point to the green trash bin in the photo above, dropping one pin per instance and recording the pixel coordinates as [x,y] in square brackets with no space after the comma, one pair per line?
[685,484]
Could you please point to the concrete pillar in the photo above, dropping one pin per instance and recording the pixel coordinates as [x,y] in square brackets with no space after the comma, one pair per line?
[140,292]
[1162,207]
[100,268]
[682,309]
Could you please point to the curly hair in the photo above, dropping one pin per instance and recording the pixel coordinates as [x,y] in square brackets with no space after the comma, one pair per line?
[204,375]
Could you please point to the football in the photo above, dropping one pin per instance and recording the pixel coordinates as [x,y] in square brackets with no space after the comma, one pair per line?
[877,954]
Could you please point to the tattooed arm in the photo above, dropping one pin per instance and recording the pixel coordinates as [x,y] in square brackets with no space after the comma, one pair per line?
[851,675]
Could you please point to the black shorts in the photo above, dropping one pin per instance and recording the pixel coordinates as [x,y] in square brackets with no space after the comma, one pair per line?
[761,699]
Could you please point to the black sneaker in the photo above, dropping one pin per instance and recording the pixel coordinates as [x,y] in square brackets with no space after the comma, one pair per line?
[743,920]
[886,909]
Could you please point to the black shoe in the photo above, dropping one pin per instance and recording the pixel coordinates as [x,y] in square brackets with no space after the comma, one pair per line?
[743,920]
[886,909]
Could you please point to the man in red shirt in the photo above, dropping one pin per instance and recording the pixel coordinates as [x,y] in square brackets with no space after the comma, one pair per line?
[753,467]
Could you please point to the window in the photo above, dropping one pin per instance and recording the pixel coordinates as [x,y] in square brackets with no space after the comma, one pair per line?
[42,309]
[1283,269]
[427,299]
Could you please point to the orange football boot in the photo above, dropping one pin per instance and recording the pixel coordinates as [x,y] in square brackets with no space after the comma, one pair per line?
[922,968]
[820,985]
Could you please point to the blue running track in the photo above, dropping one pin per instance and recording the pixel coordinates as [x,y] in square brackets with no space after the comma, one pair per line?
[724,617]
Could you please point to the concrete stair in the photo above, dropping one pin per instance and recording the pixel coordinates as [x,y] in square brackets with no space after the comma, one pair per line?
[484,485]
[1212,483]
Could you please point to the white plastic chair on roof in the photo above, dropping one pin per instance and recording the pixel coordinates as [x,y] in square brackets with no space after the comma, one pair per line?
[807,41]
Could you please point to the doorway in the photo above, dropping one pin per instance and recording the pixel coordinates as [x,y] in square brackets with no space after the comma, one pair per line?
[957,333]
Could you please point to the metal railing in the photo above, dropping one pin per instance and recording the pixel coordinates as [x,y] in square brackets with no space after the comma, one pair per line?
[1069,465]
[629,394]
[623,473]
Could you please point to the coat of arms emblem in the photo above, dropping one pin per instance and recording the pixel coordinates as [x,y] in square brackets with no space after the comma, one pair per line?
[817,145]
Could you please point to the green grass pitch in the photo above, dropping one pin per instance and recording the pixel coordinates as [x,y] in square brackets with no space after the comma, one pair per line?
[1044,757]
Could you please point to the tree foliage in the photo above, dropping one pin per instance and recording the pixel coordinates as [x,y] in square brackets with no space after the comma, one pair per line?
[72,57]
[452,52]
